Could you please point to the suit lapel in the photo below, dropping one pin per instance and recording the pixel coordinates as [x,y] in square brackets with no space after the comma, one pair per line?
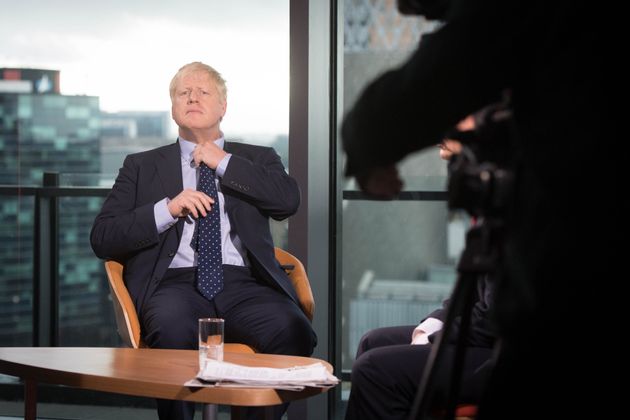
[230,202]
[169,171]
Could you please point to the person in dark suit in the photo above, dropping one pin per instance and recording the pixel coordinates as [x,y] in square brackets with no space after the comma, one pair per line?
[390,361]
[561,247]
[148,221]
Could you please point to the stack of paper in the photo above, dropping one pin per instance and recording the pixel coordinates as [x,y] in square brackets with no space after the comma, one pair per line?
[295,378]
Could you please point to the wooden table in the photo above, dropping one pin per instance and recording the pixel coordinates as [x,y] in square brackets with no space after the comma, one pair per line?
[142,372]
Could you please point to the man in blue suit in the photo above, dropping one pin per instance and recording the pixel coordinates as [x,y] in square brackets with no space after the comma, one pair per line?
[148,221]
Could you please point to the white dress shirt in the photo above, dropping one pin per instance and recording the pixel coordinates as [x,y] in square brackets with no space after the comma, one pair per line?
[231,245]
[427,327]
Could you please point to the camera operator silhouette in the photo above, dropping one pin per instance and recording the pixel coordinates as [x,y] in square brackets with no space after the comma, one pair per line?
[563,243]
[391,360]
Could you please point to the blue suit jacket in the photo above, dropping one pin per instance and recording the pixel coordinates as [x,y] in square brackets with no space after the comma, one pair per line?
[255,186]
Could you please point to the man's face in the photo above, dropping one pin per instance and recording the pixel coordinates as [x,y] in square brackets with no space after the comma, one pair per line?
[197,103]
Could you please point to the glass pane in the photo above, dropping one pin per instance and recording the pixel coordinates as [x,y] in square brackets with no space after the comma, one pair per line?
[76,97]
[399,264]
[117,100]
[16,271]
[397,258]
[86,316]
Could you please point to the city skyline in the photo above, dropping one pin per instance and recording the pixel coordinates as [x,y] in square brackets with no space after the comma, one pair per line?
[126,53]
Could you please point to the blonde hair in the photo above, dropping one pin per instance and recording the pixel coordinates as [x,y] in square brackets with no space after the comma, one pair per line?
[199,66]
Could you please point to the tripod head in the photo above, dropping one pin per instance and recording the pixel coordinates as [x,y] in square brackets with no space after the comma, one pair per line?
[481,179]
[480,182]
[481,189]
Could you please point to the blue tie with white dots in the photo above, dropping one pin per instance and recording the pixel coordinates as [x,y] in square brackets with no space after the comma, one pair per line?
[209,264]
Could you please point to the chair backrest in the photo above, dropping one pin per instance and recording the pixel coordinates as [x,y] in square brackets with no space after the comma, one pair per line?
[297,275]
[126,317]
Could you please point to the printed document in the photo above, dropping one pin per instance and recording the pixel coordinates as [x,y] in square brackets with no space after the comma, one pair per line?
[217,373]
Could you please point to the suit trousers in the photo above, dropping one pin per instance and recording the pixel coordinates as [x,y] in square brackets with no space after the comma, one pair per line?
[387,371]
[255,314]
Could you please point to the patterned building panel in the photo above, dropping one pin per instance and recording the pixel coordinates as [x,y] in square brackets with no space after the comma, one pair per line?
[376,25]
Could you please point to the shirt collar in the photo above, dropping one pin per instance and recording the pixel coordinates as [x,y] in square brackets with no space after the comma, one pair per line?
[186,146]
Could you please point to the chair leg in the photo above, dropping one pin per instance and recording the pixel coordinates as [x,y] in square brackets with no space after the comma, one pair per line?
[210,412]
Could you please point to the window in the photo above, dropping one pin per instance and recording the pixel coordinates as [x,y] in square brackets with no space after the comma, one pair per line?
[80,88]
[397,258]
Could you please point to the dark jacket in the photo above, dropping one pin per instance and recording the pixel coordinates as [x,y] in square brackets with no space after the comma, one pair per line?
[255,186]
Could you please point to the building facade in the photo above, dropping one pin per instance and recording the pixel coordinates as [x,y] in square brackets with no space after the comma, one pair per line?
[44,131]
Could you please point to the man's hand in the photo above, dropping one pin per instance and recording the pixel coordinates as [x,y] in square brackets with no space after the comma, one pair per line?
[382,183]
[208,153]
[190,202]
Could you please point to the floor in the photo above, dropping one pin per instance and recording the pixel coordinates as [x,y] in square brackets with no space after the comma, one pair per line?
[10,410]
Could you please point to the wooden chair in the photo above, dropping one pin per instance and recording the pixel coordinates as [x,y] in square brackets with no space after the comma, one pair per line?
[462,412]
[127,319]
[129,326]
[297,275]
[465,412]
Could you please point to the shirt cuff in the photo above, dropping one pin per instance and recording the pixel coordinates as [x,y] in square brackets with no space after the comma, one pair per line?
[163,218]
[427,327]
[222,166]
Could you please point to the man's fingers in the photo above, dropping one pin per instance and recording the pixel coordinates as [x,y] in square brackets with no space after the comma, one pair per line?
[197,207]
[196,203]
[190,208]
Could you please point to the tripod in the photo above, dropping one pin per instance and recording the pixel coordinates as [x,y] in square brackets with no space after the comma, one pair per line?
[481,257]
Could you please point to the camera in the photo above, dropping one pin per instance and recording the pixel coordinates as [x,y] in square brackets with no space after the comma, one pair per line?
[481,190]
[430,9]
[481,176]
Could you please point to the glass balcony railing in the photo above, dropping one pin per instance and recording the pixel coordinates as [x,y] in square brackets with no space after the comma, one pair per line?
[53,290]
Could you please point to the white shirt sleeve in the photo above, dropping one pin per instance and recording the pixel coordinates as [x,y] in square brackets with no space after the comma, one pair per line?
[163,218]
[427,327]
[222,166]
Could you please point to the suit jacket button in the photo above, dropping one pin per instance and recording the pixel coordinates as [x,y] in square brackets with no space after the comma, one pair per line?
[171,254]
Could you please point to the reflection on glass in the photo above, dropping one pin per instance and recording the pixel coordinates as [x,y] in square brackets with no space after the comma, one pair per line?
[397,258]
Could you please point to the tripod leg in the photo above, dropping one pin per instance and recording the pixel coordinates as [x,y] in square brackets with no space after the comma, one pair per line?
[460,353]
[461,300]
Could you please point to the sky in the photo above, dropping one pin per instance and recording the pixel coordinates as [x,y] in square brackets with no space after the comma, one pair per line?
[126,51]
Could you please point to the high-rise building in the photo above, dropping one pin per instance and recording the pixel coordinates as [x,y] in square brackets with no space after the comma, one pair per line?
[128,132]
[44,131]
[17,80]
